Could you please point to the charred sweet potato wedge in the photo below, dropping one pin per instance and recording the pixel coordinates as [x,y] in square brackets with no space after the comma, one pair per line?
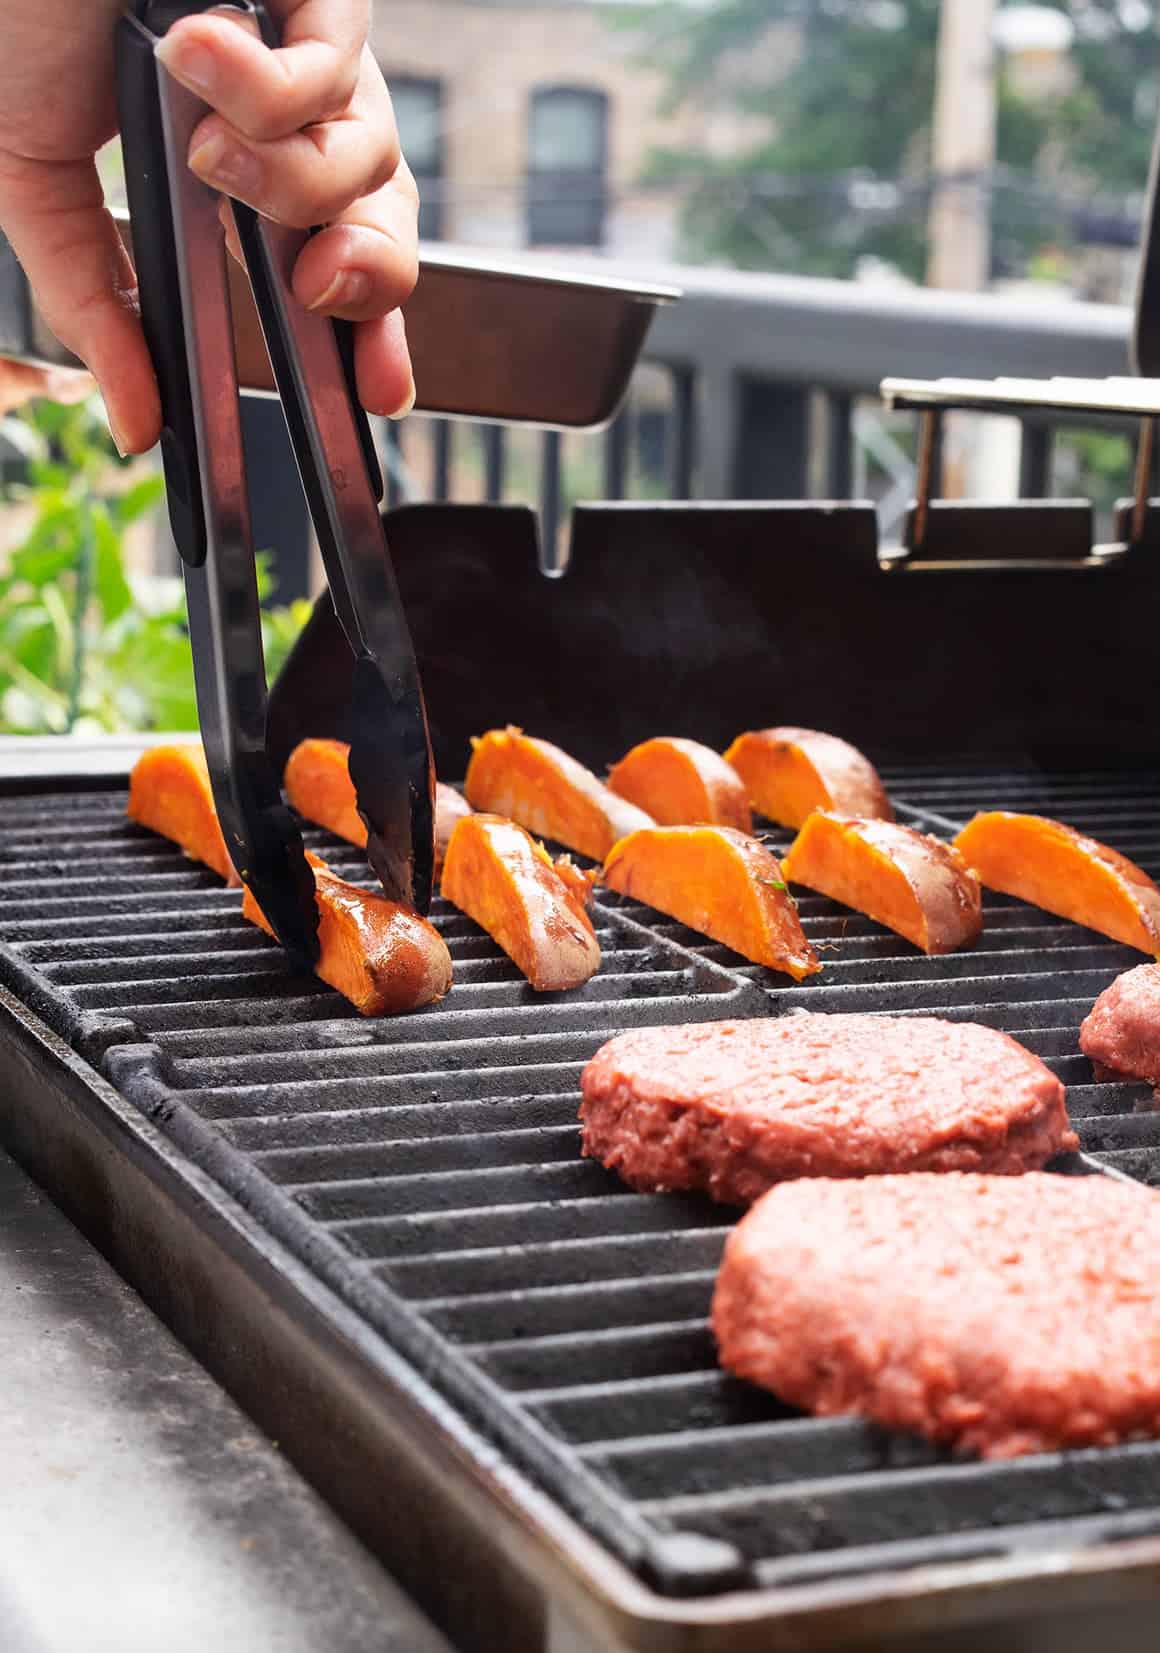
[533,782]
[318,785]
[788,773]
[498,875]
[381,956]
[682,783]
[917,886]
[1054,867]
[169,792]
[720,882]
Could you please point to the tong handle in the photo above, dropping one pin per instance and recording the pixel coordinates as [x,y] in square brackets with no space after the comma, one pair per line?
[155,257]
[263,284]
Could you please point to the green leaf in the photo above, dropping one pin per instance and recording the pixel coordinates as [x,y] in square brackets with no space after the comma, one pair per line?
[42,565]
[142,497]
[110,585]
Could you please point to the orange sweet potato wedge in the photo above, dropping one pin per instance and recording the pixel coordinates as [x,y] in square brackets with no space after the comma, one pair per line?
[381,956]
[682,783]
[498,875]
[788,773]
[917,886]
[720,882]
[1054,867]
[533,782]
[318,785]
[169,792]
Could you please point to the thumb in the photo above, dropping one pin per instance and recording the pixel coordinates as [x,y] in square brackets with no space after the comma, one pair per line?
[53,213]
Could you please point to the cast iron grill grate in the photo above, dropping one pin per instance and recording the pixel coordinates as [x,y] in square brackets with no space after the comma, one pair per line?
[428,1169]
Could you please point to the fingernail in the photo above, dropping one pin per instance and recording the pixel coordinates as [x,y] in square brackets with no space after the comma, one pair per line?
[227,166]
[193,66]
[348,289]
[119,442]
[408,405]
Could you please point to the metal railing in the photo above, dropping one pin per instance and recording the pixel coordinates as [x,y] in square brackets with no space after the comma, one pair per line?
[765,387]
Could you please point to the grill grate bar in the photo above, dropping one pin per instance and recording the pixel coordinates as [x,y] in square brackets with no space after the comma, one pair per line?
[431,1163]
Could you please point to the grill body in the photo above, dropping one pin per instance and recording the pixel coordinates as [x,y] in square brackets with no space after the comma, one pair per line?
[489,1353]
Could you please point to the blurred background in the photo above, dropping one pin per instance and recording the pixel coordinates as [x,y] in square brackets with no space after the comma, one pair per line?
[843,188]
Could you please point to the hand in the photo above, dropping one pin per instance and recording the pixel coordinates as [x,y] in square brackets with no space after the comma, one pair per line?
[304,134]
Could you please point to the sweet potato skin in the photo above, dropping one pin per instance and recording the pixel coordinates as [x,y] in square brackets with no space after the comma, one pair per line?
[533,782]
[682,783]
[318,785]
[378,954]
[720,882]
[1054,867]
[497,875]
[790,772]
[915,885]
[170,793]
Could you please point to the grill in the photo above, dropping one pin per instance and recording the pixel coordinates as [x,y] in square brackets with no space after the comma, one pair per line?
[415,1185]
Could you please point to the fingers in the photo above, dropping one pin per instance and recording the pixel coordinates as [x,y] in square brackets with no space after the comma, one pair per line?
[361,268]
[307,177]
[366,263]
[53,214]
[382,362]
[264,94]
[305,134]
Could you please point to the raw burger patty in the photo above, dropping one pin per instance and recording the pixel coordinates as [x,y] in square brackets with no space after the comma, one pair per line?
[1000,1315]
[1122,1033]
[733,1107]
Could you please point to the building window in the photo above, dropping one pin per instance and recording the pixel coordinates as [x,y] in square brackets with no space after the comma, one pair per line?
[419,113]
[567,167]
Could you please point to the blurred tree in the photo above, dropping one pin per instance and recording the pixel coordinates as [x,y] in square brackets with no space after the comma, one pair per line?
[842,170]
[1106,126]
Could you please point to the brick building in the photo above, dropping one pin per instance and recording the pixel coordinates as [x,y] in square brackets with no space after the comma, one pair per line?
[530,122]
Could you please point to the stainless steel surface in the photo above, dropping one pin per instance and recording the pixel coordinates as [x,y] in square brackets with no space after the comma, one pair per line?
[482,332]
[1120,396]
[141,1509]
[74,756]
[225,623]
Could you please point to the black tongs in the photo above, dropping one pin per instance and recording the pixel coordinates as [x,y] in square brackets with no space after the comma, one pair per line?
[180,254]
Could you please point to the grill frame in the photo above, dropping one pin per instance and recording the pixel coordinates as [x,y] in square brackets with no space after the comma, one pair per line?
[126,1182]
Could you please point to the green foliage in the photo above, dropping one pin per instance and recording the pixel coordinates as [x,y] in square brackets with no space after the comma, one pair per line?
[843,169]
[1108,123]
[84,646]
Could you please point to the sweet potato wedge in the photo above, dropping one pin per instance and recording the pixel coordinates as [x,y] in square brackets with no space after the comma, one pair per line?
[917,886]
[533,782]
[788,773]
[720,882]
[1054,867]
[318,785]
[682,783]
[381,956]
[498,875]
[169,792]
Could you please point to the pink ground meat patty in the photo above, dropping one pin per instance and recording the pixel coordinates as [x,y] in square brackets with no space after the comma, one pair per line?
[999,1315]
[1122,1033]
[733,1107]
